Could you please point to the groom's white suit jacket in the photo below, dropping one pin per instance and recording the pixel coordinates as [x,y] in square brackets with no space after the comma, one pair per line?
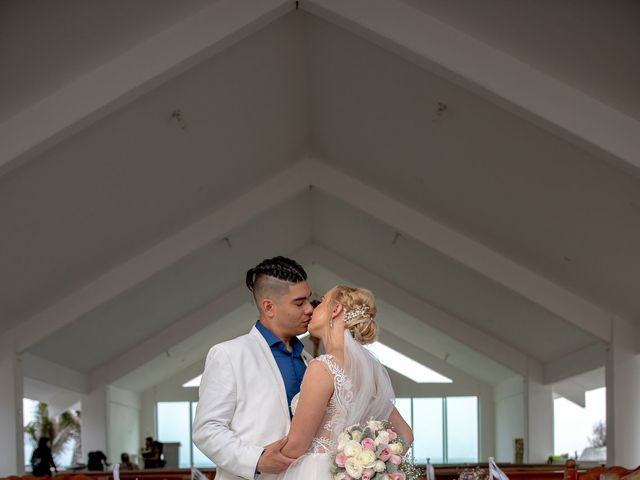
[242,405]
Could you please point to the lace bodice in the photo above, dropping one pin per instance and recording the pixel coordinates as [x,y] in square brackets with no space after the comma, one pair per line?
[333,422]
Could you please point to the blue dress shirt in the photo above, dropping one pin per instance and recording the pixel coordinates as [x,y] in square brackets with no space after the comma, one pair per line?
[290,363]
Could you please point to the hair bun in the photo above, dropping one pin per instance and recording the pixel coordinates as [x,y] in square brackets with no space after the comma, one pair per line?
[360,312]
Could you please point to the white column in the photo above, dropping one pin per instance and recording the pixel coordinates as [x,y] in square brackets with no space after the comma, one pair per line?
[509,417]
[623,392]
[94,421]
[487,423]
[538,442]
[11,419]
[123,412]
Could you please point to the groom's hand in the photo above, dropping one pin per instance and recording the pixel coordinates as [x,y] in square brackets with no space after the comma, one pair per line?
[272,460]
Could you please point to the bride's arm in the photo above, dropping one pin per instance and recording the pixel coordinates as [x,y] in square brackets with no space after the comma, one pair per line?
[401,427]
[315,393]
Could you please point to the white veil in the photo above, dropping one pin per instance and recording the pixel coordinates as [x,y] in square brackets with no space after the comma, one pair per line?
[371,387]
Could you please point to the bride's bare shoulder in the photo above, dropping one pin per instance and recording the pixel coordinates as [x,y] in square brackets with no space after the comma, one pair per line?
[318,370]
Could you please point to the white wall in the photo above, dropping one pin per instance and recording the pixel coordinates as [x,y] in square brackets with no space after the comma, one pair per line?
[123,413]
[538,444]
[94,421]
[509,398]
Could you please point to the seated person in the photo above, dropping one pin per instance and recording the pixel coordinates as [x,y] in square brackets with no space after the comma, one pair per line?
[160,447]
[126,464]
[96,461]
[152,453]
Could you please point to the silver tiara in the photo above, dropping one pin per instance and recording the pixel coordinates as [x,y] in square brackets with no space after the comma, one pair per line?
[360,311]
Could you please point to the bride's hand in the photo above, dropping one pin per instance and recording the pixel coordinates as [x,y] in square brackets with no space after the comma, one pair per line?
[272,460]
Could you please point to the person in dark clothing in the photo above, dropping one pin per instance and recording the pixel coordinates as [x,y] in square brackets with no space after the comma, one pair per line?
[42,459]
[97,461]
[152,453]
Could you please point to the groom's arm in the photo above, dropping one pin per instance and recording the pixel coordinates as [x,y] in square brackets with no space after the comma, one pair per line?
[211,425]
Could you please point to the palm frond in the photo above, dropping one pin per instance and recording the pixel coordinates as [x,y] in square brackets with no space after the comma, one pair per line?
[60,431]
[31,432]
[69,420]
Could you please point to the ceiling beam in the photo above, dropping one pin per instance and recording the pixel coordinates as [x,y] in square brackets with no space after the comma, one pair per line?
[279,189]
[499,268]
[163,341]
[234,214]
[575,363]
[572,392]
[457,329]
[37,368]
[493,74]
[132,74]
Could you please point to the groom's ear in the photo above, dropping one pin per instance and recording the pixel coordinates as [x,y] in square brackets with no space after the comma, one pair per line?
[268,307]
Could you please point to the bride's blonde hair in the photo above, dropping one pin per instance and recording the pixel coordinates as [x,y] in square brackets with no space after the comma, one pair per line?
[360,312]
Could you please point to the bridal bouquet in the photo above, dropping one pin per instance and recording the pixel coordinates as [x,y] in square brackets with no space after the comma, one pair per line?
[372,451]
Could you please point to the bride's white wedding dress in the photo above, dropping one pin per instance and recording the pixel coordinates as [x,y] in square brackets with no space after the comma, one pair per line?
[362,390]
[316,462]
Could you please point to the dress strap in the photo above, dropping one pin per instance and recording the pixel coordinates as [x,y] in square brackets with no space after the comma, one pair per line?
[331,364]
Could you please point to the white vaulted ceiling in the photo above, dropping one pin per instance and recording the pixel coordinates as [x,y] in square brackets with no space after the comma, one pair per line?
[492,236]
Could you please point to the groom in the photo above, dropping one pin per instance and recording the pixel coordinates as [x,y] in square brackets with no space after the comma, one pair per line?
[243,413]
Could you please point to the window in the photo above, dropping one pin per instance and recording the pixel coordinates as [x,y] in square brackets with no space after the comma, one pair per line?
[462,429]
[63,456]
[573,426]
[174,425]
[445,429]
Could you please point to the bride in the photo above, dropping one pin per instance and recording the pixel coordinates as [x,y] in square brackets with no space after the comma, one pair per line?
[343,387]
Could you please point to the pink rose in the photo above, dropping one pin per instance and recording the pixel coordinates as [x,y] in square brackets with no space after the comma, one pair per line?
[368,474]
[368,443]
[341,459]
[397,476]
[392,435]
[395,459]
[385,454]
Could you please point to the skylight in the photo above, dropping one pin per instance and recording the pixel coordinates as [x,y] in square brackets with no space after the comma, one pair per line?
[391,359]
[194,382]
[406,366]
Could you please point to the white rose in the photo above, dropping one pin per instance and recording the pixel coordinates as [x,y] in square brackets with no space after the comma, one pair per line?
[354,468]
[379,466]
[382,438]
[396,448]
[356,436]
[367,458]
[352,448]
[374,425]
[342,440]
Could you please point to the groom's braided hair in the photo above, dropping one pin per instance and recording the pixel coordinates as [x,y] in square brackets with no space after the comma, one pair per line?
[282,268]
